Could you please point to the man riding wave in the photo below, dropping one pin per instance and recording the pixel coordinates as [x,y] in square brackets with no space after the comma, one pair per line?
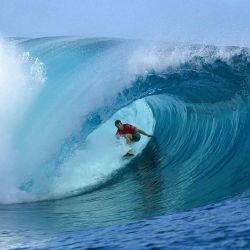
[130,133]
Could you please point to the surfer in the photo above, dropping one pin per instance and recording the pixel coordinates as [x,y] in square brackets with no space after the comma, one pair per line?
[130,133]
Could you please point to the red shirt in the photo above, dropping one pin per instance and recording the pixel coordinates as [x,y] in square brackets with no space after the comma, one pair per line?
[127,129]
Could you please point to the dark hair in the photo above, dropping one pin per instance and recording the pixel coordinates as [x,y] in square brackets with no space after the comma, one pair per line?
[117,122]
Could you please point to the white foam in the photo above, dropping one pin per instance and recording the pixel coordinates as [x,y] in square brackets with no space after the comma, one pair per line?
[21,78]
[157,58]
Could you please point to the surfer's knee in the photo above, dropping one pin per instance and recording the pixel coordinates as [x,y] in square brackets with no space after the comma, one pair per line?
[128,136]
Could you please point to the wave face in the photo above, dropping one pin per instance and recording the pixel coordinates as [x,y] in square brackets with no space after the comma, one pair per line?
[59,100]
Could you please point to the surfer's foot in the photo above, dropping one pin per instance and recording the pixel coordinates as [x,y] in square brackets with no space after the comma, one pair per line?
[129,153]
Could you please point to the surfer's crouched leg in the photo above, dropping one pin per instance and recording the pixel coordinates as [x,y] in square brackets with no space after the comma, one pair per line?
[136,136]
[132,137]
[128,138]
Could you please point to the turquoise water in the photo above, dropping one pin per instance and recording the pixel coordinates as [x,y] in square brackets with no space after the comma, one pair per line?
[62,178]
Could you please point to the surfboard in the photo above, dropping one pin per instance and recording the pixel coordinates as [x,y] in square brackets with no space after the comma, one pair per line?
[128,155]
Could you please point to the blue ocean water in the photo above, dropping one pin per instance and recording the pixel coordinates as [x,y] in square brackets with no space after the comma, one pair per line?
[63,182]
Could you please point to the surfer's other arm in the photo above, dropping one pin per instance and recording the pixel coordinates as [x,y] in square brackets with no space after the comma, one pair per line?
[143,133]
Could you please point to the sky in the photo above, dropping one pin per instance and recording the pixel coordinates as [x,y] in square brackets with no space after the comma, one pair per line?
[221,22]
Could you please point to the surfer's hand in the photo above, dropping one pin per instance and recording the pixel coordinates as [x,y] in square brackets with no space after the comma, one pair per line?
[150,136]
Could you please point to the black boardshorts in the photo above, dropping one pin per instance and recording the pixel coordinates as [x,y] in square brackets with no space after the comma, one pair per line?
[136,136]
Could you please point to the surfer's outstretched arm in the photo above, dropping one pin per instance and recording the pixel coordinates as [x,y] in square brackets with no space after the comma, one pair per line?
[144,133]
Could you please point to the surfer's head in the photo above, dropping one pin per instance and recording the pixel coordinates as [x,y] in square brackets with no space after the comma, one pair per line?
[119,124]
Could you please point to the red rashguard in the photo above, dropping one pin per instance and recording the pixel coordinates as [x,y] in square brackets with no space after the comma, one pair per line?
[128,129]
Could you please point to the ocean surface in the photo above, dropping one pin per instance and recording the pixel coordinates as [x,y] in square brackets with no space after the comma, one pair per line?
[63,182]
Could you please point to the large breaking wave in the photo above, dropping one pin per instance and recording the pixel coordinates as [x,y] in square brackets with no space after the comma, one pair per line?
[60,96]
